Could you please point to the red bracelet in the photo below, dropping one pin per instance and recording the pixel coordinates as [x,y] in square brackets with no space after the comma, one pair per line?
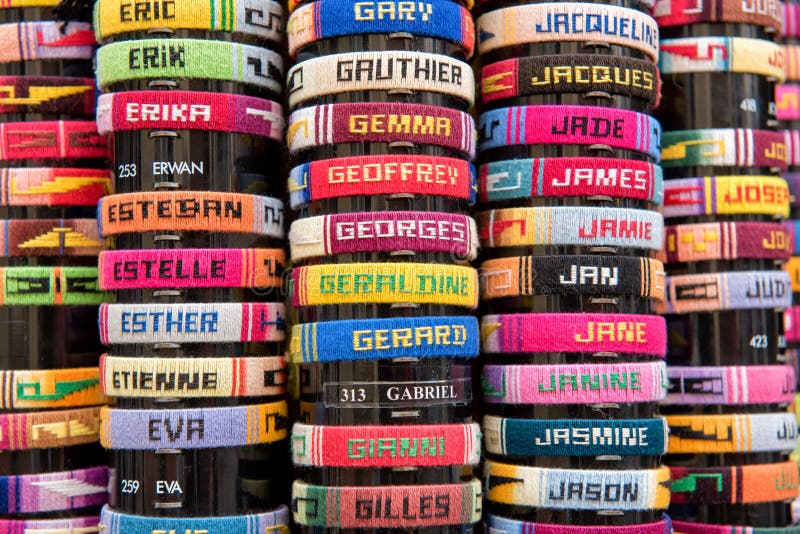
[189,110]
[47,94]
[791,19]
[681,12]
[726,241]
[27,186]
[51,140]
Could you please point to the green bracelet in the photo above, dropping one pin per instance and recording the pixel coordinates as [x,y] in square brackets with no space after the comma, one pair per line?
[46,286]
[189,58]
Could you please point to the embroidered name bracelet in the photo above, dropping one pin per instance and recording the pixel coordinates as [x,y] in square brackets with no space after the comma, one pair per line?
[47,94]
[386,70]
[501,525]
[261,19]
[570,125]
[727,241]
[730,290]
[50,237]
[570,177]
[58,140]
[574,384]
[574,437]
[48,492]
[199,211]
[717,434]
[189,110]
[273,522]
[724,147]
[323,19]
[385,283]
[46,39]
[72,525]
[722,54]
[403,507]
[48,429]
[195,428]
[381,175]
[753,384]
[192,377]
[787,102]
[190,268]
[50,286]
[386,446]
[740,484]
[390,122]
[192,323]
[727,195]
[145,59]
[51,388]
[571,73]
[572,275]
[31,186]
[539,487]
[567,21]
[384,231]
[579,225]
[377,339]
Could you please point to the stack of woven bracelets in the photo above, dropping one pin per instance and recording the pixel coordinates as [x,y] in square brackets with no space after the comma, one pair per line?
[725,242]
[195,358]
[53,473]
[381,249]
[570,189]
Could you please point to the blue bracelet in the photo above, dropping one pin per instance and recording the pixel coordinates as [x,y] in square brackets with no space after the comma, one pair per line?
[275,521]
[376,339]
[794,225]
[501,525]
[574,437]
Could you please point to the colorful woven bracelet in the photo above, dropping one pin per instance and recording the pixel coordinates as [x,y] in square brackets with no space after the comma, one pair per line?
[403,507]
[387,70]
[792,65]
[726,241]
[273,522]
[793,181]
[791,320]
[49,492]
[48,39]
[48,429]
[567,177]
[190,268]
[72,525]
[572,275]
[390,122]
[713,434]
[574,437]
[787,102]
[378,339]
[47,94]
[682,527]
[725,147]
[262,19]
[580,225]
[567,21]
[146,59]
[753,384]
[189,110]
[791,138]
[792,266]
[323,19]
[571,73]
[197,428]
[47,286]
[731,290]
[791,19]
[670,13]
[539,487]
[382,175]
[51,388]
[50,237]
[192,323]
[4,4]
[726,195]
[384,231]
[51,140]
[569,125]
[200,211]
[26,186]
[192,377]
[386,446]
[722,54]
[574,384]
[385,283]
[739,484]
[501,525]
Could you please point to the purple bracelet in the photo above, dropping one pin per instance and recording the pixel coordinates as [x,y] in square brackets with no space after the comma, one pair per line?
[793,181]
[48,492]
[72,525]
[754,384]
[24,41]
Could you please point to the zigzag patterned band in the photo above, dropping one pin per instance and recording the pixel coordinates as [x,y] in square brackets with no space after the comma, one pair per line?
[48,429]
[29,186]
[49,492]
[50,237]
[47,94]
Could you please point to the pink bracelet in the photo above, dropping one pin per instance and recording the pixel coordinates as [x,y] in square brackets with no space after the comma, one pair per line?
[791,19]
[726,241]
[25,41]
[576,332]
[51,140]
[791,324]
[791,138]
[787,101]
[189,110]
[574,384]
[683,527]
[60,186]
[752,384]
